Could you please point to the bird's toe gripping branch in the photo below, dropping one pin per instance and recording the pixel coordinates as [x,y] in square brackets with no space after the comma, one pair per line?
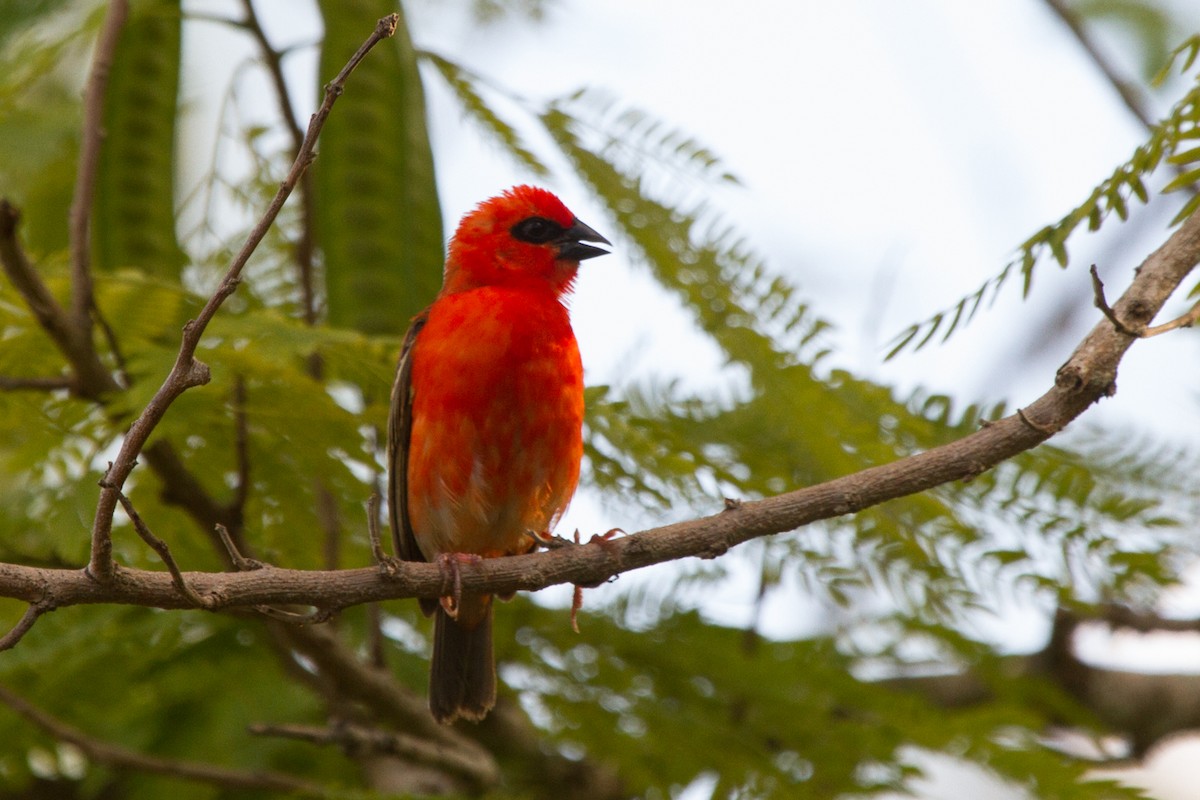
[549,540]
[554,542]
[451,567]
[601,539]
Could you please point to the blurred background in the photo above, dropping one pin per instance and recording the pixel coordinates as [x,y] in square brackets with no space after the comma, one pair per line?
[844,171]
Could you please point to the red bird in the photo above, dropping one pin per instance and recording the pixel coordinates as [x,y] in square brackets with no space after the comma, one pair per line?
[485,431]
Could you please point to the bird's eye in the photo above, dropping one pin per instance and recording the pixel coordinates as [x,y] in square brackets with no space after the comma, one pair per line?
[536,230]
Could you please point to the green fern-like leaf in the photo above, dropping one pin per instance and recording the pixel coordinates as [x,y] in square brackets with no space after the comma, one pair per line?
[1166,143]
[467,87]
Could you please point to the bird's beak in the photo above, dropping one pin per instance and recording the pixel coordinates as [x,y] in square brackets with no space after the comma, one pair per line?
[571,245]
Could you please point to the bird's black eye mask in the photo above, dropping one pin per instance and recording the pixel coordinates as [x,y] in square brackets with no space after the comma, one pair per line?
[537,230]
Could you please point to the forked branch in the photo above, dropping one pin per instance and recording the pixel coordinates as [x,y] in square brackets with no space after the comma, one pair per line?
[187,372]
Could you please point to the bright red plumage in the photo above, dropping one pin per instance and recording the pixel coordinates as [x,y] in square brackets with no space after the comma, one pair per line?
[487,414]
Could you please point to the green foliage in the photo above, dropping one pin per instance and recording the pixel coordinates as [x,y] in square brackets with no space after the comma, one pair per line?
[1171,141]
[794,424]
[686,700]
[42,53]
[377,222]
[183,686]
[1148,22]
[468,88]
[487,11]
[293,418]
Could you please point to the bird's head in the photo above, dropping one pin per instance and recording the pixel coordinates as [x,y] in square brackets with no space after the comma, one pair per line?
[524,237]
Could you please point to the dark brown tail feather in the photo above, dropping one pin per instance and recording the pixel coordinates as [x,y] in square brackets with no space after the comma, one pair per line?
[462,674]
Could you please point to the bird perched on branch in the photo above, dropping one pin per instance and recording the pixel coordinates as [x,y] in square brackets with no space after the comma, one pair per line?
[485,430]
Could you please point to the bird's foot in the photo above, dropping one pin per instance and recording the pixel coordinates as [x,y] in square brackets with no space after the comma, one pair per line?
[554,542]
[550,541]
[451,567]
[602,538]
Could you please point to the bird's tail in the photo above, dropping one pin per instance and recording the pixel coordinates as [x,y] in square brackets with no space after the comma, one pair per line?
[462,673]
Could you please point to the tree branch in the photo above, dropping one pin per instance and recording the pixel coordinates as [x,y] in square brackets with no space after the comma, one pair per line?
[359,739]
[31,615]
[241,451]
[1186,320]
[12,383]
[1133,99]
[117,756]
[91,378]
[164,552]
[273,61]
[1129,95]
[1145,708]
[1087,376]
[376,688]
[1121,617]
[187,372]
[182,488]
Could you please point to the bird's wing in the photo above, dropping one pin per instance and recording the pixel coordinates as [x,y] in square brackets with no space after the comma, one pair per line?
[399,431]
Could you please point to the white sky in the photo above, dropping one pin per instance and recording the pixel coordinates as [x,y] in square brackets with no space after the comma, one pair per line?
[893,156]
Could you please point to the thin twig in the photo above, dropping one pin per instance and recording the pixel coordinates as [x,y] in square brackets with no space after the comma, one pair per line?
[274,63]
[114,346]
[330,523]
[1133,99]
[1105,308]
[1048,430]
[1185,321]
[10,383]
[82,298]
[314,617]
[243,564]
[241,447]
[240,562]
[1143,332]
[37,296]
[18,631]
[361,740]
[187,372]
[116,756]
[216,19]
[273,60]
[92,379]
[373,504]
[164,552]
[1129,96]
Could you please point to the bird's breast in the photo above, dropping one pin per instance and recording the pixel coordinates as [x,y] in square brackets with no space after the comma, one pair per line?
[497,418]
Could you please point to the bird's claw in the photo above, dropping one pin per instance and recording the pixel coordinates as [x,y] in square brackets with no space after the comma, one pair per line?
[551,541]
[601,539]
[451,567]
[554,542]
[604,538]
